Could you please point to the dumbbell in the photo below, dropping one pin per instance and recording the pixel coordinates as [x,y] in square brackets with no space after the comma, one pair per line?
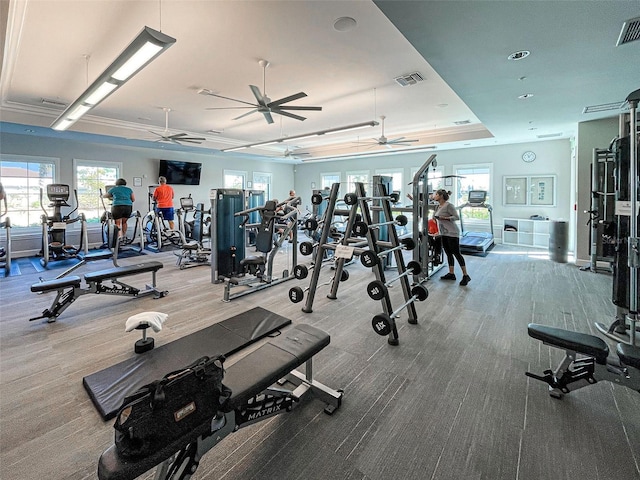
[378,290]
[296,294]
[301,272]
[352,198]
[370,259]
[317,198]
[383,324]
[306,248]
[310,224]
[360,228]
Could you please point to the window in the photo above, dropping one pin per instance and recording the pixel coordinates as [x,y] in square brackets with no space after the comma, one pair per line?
[23,178]
[434,178]
[235,179]
[328,179]
[92,178]
[262,181]
[396,183]
[353,177]
[471,177]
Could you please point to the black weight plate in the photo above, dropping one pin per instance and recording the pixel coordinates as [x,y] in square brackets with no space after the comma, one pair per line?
[381,324]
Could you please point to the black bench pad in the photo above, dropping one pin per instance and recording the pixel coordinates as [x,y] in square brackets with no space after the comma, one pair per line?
[56,283]
[272,361]
[122,271]
[629,354]
[107,388]
[579,342]
[246,378]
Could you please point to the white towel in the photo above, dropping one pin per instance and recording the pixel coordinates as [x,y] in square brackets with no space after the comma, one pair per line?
[153,319]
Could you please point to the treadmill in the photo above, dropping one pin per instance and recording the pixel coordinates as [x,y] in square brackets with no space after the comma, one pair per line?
[476,242]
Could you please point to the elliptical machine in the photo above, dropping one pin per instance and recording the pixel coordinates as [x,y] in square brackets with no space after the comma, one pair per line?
[110,232]
[54,227]
[5,252]
[156,232]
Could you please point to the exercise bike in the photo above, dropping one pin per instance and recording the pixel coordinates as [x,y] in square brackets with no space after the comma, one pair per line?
[54,227]
[5,252]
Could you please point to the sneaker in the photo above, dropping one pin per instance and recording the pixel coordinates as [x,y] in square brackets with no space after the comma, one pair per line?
[448,276]
[465,279]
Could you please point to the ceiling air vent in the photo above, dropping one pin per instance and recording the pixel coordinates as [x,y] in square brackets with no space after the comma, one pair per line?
[462,122]
[605,107]
[53,103]
[550,135]
[630,31]
[410,79]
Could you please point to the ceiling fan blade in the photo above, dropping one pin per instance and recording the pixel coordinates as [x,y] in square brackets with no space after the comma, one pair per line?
[290,98]
[245,114]
[228,98]
[190,140]
[287,114]
[155,133]
[228,108]
[399,141]
[177,135]
[286,107]
[268,117]
[258,95]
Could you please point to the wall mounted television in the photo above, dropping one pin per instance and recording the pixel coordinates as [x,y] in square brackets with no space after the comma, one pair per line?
[180,173]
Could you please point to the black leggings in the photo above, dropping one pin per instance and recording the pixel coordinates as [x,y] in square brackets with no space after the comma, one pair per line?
[451,246]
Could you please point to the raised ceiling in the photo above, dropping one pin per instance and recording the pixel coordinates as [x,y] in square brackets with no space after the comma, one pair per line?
[469,95]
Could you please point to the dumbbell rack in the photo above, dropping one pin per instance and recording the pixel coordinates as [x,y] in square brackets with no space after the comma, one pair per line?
[324,245]
[378,268]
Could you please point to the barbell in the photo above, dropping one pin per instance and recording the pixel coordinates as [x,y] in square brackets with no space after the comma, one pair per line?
[377,290]
[360,228]
[382,323]
[296,294]
[352,198]
[370,259]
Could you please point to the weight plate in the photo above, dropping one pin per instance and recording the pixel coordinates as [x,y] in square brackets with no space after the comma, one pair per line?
[381,324]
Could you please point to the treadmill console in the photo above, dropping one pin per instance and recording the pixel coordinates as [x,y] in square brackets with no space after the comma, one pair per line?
[477,197]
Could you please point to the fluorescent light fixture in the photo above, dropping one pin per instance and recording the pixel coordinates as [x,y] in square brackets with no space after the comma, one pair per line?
[347,128]
[102,91]
[234,149]
[263,144]
[141,51]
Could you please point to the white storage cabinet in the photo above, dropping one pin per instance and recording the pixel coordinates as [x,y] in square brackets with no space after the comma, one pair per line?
[530,233]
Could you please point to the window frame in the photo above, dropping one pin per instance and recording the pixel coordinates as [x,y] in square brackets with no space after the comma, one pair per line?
[475,217]
[269,183]
[350,185]
[324,175]
[80,162]
[236,173]
[16,158]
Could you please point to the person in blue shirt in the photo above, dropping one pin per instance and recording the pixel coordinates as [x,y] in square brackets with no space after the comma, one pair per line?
[122,206]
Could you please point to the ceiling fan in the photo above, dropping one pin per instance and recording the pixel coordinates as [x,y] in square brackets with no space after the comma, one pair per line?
[294,154]
[177,138]
[265,106]
[389,142]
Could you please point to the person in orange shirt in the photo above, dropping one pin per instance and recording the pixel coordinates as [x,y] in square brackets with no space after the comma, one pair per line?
[163,196]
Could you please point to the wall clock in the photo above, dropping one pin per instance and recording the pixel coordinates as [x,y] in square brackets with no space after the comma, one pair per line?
[528,156]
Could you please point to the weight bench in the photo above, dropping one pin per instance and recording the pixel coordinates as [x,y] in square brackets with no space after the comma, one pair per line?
[596,364]
[68,288]
[263,382]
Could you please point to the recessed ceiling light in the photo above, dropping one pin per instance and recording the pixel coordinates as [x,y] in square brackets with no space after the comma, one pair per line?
[344,24]
[525,96]
[443,105]
[519,55]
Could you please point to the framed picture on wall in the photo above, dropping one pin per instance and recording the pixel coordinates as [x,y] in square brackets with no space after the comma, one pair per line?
[542,190]
[515,190]
[537,190]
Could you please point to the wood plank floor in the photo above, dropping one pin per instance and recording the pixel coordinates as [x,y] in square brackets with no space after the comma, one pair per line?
[450,402]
